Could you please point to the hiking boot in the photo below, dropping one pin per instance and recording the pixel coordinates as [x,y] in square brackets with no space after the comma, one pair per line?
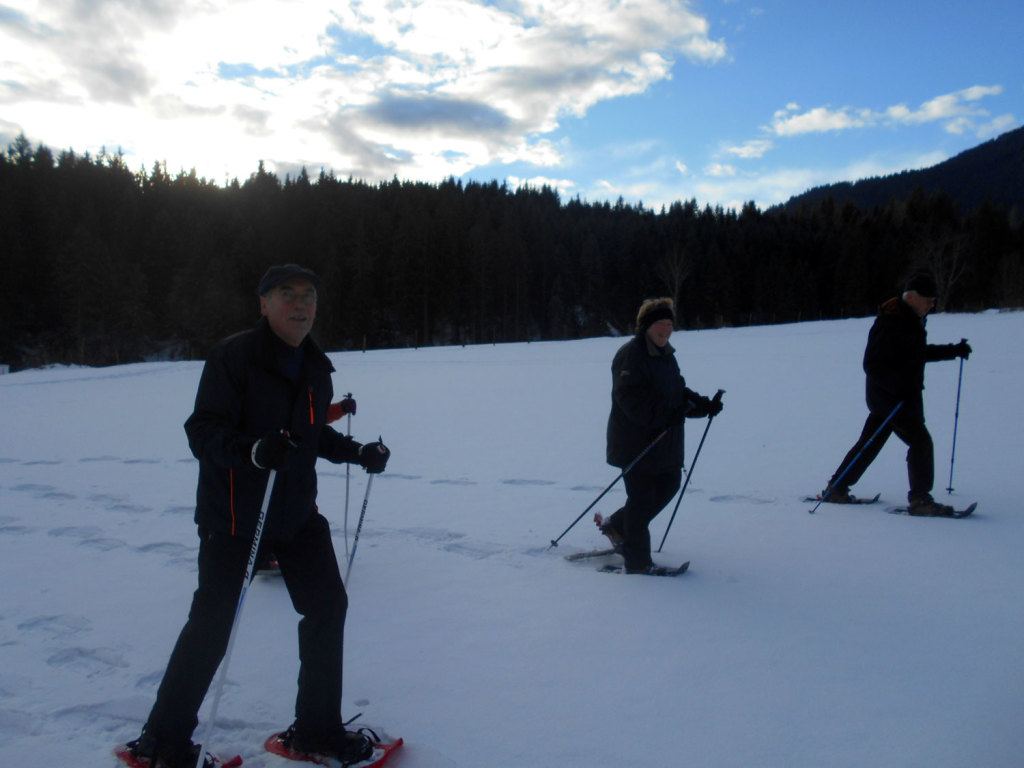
[926,506]
[165,755]
[606,528]
[840,494]
[649,570]
[348,747]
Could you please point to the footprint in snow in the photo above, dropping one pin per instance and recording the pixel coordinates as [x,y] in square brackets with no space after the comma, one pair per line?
[133,508]
[101,544]
[740,497]
[476,550]
[56,626]
[182,510]
[90,662]
[105,498]
[15,530]
[164,548]
[37,488]
[57,495]
[461,481]
[76,531]
[516,481]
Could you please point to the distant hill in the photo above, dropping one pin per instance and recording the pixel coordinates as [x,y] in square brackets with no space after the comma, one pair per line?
[993,171]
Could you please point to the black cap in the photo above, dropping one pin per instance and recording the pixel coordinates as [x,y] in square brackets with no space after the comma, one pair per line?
[922,284]
[280,274]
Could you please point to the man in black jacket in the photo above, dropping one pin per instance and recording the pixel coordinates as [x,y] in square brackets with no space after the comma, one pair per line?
[649,396]
[894,361]
[262,404]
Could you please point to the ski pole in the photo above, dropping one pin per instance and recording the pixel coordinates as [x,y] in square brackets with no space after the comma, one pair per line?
[716,399]
[348,475]
[249,570]
[956,421]
[554,542]
[853,461]
[362,515]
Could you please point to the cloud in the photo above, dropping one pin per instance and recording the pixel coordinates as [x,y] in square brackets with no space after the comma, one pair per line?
[751,149]
[371,88]
[957,111]
[817,120]
[565,187]
[719,170]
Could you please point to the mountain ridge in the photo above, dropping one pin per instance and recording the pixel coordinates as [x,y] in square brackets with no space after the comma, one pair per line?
[991,172]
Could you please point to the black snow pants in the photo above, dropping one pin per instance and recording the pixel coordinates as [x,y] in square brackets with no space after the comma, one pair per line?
[646,496]
[908,424]
[311,575]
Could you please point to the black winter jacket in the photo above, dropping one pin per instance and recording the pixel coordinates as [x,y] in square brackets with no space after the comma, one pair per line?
[648,395]
[243,394]
[895,356]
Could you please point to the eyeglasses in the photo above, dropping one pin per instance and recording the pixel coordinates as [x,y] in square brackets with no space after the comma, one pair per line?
[292,296]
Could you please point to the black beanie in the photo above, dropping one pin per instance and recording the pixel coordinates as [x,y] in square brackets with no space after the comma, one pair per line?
[922,284]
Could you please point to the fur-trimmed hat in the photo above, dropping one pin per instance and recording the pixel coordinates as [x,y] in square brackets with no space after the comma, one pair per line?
[653,310]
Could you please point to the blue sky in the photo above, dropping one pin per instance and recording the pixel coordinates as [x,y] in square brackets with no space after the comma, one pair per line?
[654,101]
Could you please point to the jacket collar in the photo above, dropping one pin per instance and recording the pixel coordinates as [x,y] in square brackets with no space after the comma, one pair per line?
[314,359]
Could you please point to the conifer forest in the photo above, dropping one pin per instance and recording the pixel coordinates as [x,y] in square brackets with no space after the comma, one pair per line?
[102,264]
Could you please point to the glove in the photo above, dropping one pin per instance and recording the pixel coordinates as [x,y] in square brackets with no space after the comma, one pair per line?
[963,349]
[715,406]
[373,457]
[273,450]
[342,408]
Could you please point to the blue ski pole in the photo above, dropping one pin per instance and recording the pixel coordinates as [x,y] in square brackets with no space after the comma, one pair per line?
[956,421]
[853,461]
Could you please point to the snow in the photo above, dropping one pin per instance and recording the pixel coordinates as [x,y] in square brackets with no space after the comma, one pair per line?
[851,637]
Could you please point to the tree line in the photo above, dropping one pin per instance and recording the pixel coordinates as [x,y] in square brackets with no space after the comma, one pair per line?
[102,264]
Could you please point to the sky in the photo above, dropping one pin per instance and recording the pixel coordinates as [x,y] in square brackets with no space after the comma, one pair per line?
[652,101]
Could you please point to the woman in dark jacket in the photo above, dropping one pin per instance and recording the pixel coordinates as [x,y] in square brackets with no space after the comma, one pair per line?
[894,360]
[648,396]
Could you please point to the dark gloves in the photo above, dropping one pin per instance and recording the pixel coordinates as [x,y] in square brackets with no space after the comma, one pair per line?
[373,457]
[344,407]
[963,349]
[698,406]
[273,450]
[715,406]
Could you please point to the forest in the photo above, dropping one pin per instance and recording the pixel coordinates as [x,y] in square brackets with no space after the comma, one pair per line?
[103,265]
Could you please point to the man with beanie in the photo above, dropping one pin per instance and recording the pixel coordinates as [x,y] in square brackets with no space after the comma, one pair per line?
[894,361]
[262,405]
[648,396]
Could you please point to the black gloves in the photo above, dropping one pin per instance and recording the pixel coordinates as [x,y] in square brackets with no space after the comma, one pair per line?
[373,457]
[697,406]
[273,450]
[343,407]
[715,406]
[963,349]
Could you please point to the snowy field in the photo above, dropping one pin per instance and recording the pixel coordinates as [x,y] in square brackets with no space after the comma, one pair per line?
[848,638]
